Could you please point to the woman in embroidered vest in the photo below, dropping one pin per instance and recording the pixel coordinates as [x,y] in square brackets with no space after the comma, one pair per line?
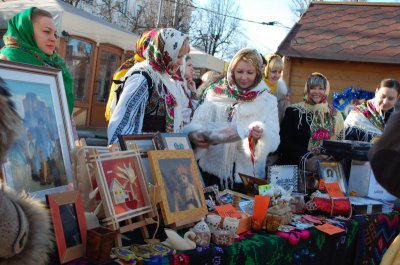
[31,38]
[237,124]
[277,87]
[141,46]
[368,120]
[308,123]
[164,107]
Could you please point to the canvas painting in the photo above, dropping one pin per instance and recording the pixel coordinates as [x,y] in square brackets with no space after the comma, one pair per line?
[39,160]
[176,172]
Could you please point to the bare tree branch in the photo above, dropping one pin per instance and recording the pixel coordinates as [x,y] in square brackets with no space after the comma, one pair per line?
[214,32]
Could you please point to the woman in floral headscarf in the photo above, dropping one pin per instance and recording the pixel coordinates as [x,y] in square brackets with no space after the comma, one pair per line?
[308,123]
[368,120]
[141,46]
[164,107]
[31,38]
[236,126]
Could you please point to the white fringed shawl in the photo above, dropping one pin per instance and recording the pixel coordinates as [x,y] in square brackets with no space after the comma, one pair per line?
[220,159]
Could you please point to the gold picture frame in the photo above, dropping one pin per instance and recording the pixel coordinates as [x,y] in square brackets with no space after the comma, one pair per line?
[182,198]
[332,172]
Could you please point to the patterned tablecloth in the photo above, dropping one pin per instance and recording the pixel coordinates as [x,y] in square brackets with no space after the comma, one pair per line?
[365,240]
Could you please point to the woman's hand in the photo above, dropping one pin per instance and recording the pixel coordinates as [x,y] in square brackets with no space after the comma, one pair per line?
[191,85]
[256,133]
[198,139]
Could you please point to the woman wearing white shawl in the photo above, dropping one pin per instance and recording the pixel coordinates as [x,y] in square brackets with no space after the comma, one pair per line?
[165,107]
[368,119]
[238,119]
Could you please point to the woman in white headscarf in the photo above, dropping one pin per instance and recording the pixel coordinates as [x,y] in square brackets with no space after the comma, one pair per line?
[236,126]
[162,108]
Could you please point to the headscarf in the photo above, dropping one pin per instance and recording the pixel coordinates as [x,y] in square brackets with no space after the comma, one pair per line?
[227,87]
[161,53]
[326,123]
[141,46]
[272,86]
[20,46]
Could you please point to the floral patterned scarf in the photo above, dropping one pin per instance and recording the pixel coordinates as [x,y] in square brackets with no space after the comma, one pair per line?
[325,121]
[223,88]
[162,54]
[368,110]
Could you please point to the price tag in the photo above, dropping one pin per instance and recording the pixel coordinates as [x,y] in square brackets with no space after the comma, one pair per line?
[227,210]
[329,229]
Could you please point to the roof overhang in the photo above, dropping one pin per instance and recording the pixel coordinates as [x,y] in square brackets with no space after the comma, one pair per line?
[204,60]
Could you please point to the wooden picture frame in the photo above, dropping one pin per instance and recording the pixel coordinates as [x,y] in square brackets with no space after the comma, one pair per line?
[182,198]
[332,172]
[39,161]
[211,195]
[285,176]
[172,141]
[69,224]
[143,143]
[251,184]
[122,185]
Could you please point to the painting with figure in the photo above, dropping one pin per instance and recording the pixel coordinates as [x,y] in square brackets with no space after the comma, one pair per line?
[35,162]
[179,183]
[181,190]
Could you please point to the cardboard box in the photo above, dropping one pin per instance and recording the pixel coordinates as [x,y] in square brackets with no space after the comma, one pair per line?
[363,182]
[365,206]
[244,223]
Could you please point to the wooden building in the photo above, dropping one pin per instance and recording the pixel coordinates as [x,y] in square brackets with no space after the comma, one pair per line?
[353,44]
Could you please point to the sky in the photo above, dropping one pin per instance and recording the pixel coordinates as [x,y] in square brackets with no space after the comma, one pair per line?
[265,38]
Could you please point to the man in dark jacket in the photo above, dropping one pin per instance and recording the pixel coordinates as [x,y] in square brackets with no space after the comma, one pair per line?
[385,156]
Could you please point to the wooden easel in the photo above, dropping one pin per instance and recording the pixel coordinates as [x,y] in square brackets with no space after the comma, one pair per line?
[127,225]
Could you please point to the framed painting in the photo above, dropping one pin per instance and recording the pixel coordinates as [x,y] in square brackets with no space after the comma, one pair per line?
[285,176]
[143,143]
[211,195]
[251,184]
[172,141]
[69,223]
[332,172]
[182,198]
[39,161]
[122,186]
